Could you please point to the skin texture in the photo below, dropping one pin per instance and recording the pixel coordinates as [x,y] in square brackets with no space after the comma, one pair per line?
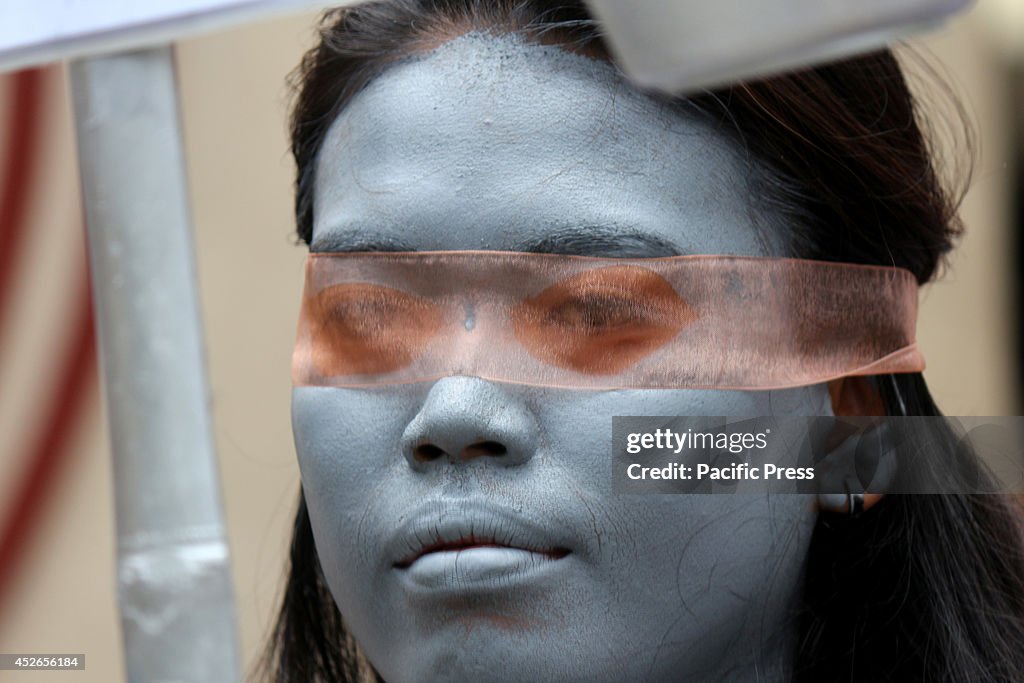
[492,143]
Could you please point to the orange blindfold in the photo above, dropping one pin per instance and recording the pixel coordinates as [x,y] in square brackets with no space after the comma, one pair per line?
[701,322]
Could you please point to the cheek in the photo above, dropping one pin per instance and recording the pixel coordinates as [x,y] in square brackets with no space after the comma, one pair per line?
[577,426]
[343,437]
[711,554]
[717,558]
[709,571]
[347,443]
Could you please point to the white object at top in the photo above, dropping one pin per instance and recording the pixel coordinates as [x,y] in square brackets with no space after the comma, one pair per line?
[680,45]
[673,45]
[38,31]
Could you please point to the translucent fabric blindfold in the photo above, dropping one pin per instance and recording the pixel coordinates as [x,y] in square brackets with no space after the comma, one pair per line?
[700,322]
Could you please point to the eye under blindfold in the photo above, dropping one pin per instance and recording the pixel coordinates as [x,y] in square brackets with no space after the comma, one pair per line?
[700,322]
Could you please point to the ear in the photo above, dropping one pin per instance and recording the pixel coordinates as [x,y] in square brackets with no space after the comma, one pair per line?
[856,461]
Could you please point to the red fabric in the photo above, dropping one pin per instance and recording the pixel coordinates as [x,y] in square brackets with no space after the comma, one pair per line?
[20,162]
[48,451]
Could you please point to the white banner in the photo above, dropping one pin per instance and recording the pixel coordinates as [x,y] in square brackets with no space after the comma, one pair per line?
[683,45]
[38,31]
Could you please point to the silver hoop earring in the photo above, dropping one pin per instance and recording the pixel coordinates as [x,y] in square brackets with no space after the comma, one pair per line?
[855,503]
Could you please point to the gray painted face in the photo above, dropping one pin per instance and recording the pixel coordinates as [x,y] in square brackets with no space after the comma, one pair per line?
[490,143]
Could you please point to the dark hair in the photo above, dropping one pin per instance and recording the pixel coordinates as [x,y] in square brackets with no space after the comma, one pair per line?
[922,587]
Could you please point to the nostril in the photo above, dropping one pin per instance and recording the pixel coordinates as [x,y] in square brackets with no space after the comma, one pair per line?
[427,452]
[493,448]
[484,448]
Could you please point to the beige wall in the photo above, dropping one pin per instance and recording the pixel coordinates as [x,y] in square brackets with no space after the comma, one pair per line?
[234,101]
[966,326]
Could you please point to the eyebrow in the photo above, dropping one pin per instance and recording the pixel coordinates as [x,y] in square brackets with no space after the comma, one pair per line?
[575,241]
[347,241]
[594,240]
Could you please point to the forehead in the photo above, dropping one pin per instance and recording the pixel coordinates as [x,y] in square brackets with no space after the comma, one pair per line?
[494,143]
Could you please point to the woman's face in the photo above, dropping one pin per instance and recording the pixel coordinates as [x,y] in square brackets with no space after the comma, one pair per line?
[508,556]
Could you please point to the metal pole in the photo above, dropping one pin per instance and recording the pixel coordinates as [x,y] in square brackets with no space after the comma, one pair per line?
[174,582]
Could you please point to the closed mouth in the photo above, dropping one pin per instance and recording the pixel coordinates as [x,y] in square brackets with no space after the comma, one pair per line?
[459,526]
[470,542]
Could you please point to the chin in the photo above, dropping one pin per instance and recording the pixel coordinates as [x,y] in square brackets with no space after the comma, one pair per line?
[481,645]
[481,649]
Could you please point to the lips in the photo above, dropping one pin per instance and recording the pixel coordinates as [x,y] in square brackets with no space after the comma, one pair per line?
[476,541]
[443,545]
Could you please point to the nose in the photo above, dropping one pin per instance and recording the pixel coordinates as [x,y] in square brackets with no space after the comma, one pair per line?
[466,418]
